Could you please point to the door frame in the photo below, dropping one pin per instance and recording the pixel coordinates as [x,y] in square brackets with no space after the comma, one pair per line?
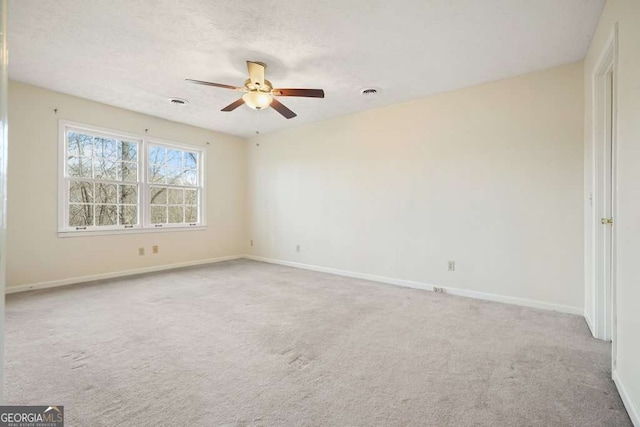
[604,191]
[4,86]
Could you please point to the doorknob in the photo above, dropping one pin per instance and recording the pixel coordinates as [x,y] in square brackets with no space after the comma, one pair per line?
[606,221]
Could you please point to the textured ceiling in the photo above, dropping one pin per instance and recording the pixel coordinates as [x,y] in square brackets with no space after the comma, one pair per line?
[135,54]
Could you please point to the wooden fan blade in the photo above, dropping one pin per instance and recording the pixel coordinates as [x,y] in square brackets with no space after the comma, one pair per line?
[200,82]
[256,72]
[280,108]
[233,105]
[307,93]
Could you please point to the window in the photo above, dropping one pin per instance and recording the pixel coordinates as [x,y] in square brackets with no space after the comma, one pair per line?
[116,182]
[101,180]
[173,185]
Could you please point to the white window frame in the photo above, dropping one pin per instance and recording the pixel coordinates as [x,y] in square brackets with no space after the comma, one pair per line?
[146,219]
[144,225]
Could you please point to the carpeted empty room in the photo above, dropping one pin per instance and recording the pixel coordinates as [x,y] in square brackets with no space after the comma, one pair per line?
[336,213]
[247,343]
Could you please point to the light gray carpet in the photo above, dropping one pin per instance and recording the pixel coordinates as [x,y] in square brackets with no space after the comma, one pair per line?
[247,343]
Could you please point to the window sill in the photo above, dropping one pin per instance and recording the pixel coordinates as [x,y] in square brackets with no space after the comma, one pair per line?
[129,231]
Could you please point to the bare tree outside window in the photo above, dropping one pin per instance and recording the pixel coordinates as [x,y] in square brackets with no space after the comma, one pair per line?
[173,175]
[103,181]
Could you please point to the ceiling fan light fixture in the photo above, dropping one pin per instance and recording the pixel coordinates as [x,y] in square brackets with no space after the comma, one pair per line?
[257,100]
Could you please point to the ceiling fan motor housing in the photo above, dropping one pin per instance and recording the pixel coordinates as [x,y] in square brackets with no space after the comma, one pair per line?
[266,87]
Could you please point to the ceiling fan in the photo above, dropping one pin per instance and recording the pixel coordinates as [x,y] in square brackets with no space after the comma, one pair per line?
[259,92]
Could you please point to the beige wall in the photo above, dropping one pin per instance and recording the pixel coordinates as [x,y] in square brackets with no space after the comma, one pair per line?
[627,222]
[35,252]
[489,176]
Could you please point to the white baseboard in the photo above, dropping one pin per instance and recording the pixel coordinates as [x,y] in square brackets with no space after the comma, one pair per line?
[632,409]
[589,324]
[364,276]
[90,278]
[428,287]
[373,278]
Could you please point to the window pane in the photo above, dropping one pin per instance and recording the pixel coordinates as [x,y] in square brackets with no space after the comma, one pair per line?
[158,196]
[174,175]
[79,167]
[105,148]
[190,160]
[174,167]
[106,215]
[106,193]
[191,197]
[104,168]
[175,197]
[191,214]
[157,154]
[157,173]
[128,171]
[80,215]
[174,158]
[128,215]
[80,192]
[176,214]
[128,194]
[190,178]
[128,151]
[79,144]
[158,214]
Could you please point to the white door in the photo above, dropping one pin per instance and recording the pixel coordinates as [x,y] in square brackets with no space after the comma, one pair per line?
[607,202]
[608,212]
[604,191]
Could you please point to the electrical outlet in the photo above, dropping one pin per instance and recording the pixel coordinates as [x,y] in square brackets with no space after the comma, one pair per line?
[252,243]
[297,248]
[155,249]
[452,266]
[140,251]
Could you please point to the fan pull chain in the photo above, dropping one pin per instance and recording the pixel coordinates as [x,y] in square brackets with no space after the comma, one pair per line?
[257,122]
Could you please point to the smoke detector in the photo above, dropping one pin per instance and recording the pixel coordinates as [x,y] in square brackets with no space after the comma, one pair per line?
[178,101]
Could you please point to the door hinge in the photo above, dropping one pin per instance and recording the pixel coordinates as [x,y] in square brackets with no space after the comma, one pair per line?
[606,221]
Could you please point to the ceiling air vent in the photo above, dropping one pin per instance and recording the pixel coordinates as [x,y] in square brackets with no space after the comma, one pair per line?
[178,101]
[370,91]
